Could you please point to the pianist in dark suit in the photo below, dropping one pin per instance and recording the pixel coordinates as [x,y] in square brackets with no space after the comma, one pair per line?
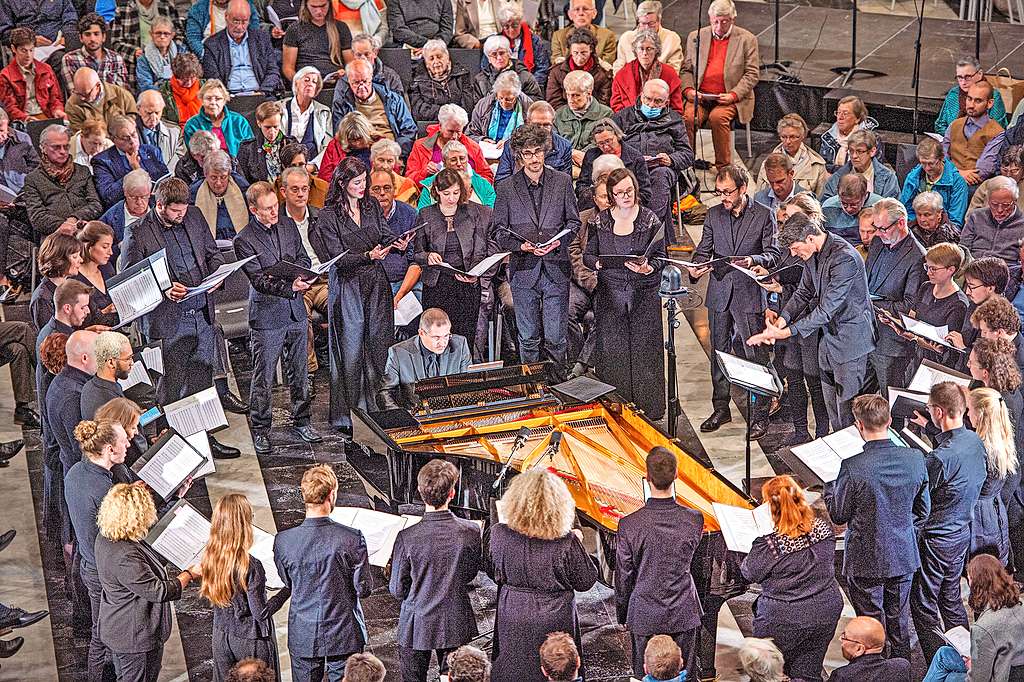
[832,298]
[433,352]
[325,565]
[277,314]
[654,591]
[432,564]
[863,640]
[882,496]
[800,601]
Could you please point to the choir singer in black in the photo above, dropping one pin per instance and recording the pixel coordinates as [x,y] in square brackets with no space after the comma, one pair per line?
[277,314]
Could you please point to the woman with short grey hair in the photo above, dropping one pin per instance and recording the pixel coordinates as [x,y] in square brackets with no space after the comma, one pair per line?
[498,59]
[437,80]
[629,80]
[501,111]
[305,119]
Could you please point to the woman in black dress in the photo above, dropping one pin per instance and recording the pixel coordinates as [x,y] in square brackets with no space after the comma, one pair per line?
[97,239]
[629,339]
[59,257]
[454,231]
[991,421]
[940,301]
[538,562]
[800,601]
[360,313]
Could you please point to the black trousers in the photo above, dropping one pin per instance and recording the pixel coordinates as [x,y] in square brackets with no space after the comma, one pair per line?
[841,382]
[724,326]
[891,372]
[269,345]
[414,663]
[17,350]
[935,601]
[663,179]
[800,368]
[887,600]
[99,661]
[314,669]
[191,355]
[686,641]
[460,301]
[581,335]
[229,650]
[139,667]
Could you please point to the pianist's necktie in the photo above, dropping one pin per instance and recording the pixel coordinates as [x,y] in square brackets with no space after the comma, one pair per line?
[433,369]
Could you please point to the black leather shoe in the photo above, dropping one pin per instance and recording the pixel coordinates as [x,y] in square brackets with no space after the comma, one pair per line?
[308,434]
[7,538]
[759,429]
[799,438]
[9,647]
[261,443]
[701,164]
[715,421]
[20,618]
[234,404]
[221,451]
[9,450]
[26,416]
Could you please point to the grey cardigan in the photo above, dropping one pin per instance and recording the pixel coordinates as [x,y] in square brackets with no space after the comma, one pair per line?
[997,643]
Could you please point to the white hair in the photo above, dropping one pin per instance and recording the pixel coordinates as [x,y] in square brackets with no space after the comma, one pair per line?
[605,163]
[108,346]
[932,200]
[434,45]
[660,83]
[495,42]
[383,146]
[722,8]
[1001,182]
[375,42]
[648,7]
[452,147]
[452,112]
[217,160]
[507,80]
[305,71]
[137,179]
[893,209]
[509,13]
[578,81]
[761,660]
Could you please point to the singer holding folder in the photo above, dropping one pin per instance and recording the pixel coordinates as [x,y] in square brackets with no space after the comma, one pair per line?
[453,230]
[277,314]
[629,340]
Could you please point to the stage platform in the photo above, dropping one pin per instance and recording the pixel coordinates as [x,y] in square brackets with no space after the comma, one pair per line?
[815,39]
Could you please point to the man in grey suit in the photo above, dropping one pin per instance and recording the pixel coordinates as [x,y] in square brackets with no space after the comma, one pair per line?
[433,352]
[832,298]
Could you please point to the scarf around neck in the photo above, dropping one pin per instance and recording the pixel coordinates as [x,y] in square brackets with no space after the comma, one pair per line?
[186,99]
[514,122]
[206,201]
[526,42]
[59,174]
[161,64]
[368,14]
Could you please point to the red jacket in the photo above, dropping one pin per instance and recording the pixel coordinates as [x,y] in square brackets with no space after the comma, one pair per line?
[627,86]
[13,87]
[423,149]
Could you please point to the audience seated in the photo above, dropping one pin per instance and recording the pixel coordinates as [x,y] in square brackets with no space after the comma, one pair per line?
[497,115]
[93,99]
[575,120]
[851,115]
[968,72]
[317,39]
[127,154]
[207,17]
[220,196]
[43,99]
[241,56]
[475,20]
[437,80]
[53,22]
[414,23]
[305,119]
[1011,164]
[863,159]
[137,188]
[931,224]
[724,87]
[181,92]
[468,664]
[526,47]
[294,156]
[998,229]
[387,112]
[456,157]
[559,156]
[781,179]
[841,210]
[153,64]
[499,60]
[607,137]
[107,63]
[581,57]
[155,131]
[581,15]
[425,159]
[935,173]
[230,127]
[59,193]
[762,661]
[808,166]
[972,142]
[190,168]
[387,155]
[91,140]
[648,18]
[17,155]
[367,48]
[260,158]
[630,79]
[354,137]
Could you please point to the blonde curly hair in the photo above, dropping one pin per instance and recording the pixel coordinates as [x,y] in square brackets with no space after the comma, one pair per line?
[538,505]
[126,513]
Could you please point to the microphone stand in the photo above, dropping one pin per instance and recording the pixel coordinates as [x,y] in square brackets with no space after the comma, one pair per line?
[696,87]
[852,70]
[524,434]
[916,77]
[672,399]
[776,63]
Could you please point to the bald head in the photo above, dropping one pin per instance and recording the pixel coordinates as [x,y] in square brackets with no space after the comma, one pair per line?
[868,632]
[656,87]
[86,83]
[80,351]
[237,16]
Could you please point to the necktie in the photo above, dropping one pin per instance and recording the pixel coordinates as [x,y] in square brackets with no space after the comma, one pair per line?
[432,365]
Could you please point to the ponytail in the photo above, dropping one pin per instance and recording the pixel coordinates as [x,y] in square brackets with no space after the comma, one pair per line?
[790,512]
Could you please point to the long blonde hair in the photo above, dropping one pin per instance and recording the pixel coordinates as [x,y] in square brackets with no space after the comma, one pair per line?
[992,423]
[333,35]
[537,504]
[126,513]
[226,558]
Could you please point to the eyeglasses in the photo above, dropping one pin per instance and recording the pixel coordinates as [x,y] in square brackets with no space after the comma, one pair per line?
[531,153]
[968,77]
[971,287]
[624,193]
[726,192]
[162,34]
[843,637]
[790,138]
[1001,205]
[885,228]
[935,268]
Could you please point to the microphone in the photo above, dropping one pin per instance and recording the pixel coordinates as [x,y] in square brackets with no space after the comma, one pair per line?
[521,438]
[554,445]
[524,433]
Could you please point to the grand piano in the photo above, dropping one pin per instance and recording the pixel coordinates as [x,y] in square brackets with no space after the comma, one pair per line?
[473,420]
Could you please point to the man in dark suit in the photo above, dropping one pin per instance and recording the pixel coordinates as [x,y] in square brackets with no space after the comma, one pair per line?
[277,314]
[654,591]
[863,640]
[832,298]
[431,566]
[113,354]
[433,352]
[325,565]
[882,496]
[242,57]
[109,167]
[956,472]
[744,231]
[895,267]
[532,206]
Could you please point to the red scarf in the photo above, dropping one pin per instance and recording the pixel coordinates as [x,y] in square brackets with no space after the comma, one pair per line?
[526,41]
[588,66]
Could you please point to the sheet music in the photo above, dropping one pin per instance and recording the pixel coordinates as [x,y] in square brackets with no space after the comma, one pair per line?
[44,52]
[491,150]
[158,263]
[379,528]
[746,372]
[928,374]
[846,442]
[820,459]
[137,375]
[915,441]
[201,442]
[746,271]
[960,639]
[184,540]
[216,277]
[896,393]
[480,268]
[198,412]
[324,267]
[136,296]
[263,549]
[553,239]
[168,468]
[408,309]
[153,358]
[928,331]
[740,527]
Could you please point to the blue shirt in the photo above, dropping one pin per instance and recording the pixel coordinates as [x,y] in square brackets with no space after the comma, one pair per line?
[106,8]
[84,488]
[242,78]
[956,472]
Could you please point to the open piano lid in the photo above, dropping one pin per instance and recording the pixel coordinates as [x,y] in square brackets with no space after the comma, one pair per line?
[493,389]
